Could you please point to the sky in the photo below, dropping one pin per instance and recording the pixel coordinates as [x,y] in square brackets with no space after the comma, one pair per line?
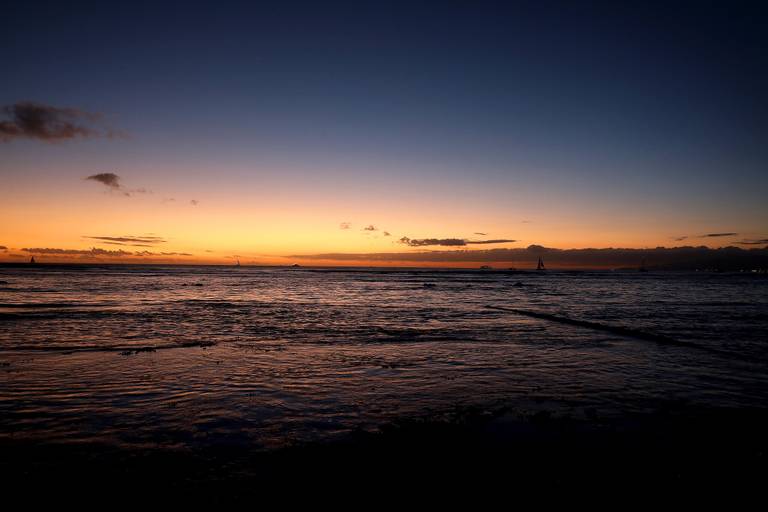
[325,132]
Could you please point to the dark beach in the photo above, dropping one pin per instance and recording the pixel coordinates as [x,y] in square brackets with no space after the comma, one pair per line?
[490,455]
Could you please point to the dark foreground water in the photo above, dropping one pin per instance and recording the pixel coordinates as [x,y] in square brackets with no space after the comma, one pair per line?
[225,385]
[205,356]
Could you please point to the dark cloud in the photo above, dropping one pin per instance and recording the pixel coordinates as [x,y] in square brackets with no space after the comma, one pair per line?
[29,120]
[113,183]
[680,238]
[345,225]
[129,239]
[497,241]
[108,179]
[3,248]
[423,242]
[481,234]
[387,233]
[370,227]
[762,241]
[194,202]
[448,242]
[673,258]
[715,235]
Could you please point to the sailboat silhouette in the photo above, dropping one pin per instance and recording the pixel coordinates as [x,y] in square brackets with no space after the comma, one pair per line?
[540,265]
[32,260]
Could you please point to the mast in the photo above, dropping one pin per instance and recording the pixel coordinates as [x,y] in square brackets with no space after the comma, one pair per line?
[540,265]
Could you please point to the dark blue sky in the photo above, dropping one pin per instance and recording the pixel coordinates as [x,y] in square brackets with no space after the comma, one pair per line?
[631,102]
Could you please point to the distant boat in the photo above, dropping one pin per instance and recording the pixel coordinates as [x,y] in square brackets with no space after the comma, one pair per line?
[295,265]
[486,267]
[32,260]
[540,265]
[238,263]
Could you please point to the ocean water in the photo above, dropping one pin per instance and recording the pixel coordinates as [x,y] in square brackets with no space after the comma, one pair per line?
[195,356]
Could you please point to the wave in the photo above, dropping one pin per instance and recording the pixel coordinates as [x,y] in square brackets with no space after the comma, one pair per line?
[122,349]
[616,329]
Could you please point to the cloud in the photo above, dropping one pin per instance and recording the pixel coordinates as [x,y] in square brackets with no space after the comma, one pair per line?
[29,120]
[387,233]
[481,234]
[715,235]
[72,252]
[370,227]
[680,238]
[762,241]
[345,225]
[673,258]
[129,239]
[108,179]
[95,251]
[149,253]
[113,183]
[3,248]
[422,242]
[194,202]
[448,242]
[497,241]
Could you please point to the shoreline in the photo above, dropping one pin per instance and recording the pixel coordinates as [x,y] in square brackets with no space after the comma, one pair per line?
[661,452]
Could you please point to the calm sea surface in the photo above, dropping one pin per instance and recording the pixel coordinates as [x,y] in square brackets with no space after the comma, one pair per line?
[186,356]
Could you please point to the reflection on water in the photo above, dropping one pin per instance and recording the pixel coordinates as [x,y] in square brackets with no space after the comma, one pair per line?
[199,355]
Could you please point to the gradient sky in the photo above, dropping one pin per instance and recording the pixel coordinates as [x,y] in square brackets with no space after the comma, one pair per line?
[568,125]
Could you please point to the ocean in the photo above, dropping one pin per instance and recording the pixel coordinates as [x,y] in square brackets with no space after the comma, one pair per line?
[198,356]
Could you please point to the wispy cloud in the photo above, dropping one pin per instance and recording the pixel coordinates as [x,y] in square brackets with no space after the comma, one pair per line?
[3,248]
[29,120]
[96,251]
[345,225]
[762,241]
[370,227]
[449,242]
[73,252]
[137,241]
[481,234]
[149,253]
[113,182]
[386,233]
[707,235]
[194,202]
[497,241]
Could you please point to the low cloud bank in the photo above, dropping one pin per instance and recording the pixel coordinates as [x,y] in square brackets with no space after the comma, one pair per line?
[673,258]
